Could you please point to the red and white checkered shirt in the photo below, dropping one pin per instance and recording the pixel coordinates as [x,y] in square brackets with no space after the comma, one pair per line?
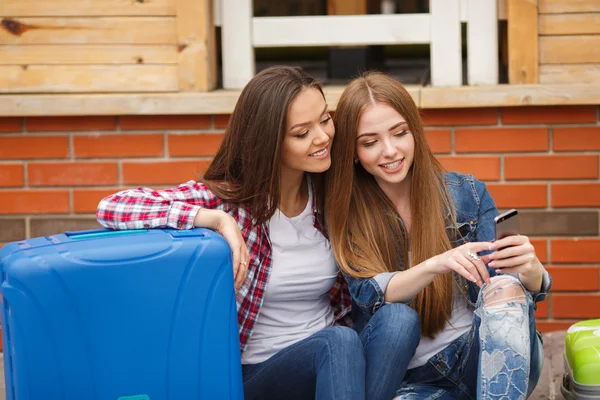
[145,208]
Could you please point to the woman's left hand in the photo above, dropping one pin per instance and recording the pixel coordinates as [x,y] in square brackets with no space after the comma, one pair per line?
[516,255]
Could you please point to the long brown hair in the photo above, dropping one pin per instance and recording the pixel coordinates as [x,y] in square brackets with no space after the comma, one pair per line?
[246,168]
[363,224]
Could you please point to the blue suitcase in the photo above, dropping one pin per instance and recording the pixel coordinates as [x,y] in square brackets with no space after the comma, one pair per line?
[120,315]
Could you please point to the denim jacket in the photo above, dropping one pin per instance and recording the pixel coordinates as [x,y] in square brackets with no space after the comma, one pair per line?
[475,212]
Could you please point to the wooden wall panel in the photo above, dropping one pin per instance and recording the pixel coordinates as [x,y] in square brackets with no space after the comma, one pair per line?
[78,79]
[80,54]
[568,6]
[569,74]
[570,49]
[103,30]
[78,8]
[196,42]
[523,60]
[569,24]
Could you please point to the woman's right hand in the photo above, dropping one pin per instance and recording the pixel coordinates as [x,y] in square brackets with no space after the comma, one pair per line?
[227,226]
[464,261]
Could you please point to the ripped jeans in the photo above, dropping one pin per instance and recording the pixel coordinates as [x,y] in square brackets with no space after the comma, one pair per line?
[499,359]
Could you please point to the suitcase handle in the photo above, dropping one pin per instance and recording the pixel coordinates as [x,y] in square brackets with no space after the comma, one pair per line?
[101,233]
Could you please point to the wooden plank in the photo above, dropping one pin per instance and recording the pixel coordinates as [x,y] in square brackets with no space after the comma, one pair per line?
[346,7]
[216,102]
[143,78]
[570,49]
[570,73]
[223,101]
[523,59]
[236,43]
[446,46]
[196,43]
[569,24]
[103,30]
[568,6]
[509,95]
[482,39]
[89,8]
[341,30]
[87,54]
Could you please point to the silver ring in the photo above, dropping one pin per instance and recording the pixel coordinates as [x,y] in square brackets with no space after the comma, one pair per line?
[244,263]
[473,256]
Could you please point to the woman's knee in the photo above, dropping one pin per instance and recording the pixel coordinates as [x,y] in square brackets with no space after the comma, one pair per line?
[399,320]
[504,293]
[341,339]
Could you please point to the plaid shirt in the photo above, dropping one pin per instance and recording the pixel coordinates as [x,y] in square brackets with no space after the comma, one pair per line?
[144,208]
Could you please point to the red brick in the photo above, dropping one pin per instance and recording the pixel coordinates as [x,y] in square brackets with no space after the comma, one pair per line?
[576,138]
[541,249]
[574,278]
[552,325]
[201,144]
[499,140]
[168,172]
[484,168]
[576,305]
[24,147]
[10,124]
[221,120]
[460,116]
[86,200]
[585,250]
[542,311]
[167,122]
[11,175]
[575,194]
[72,174]
[519,195]
[439,140]
[551,167]
[34,201]
[66,124]
[548,114]
[99,146]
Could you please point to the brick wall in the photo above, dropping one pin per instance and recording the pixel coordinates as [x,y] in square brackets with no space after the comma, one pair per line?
[541,160]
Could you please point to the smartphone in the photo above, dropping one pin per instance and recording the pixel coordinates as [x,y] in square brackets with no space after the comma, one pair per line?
[507,224]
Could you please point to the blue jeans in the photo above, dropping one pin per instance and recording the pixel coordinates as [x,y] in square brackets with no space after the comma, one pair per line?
[328,365]
[390,339]
[500,358]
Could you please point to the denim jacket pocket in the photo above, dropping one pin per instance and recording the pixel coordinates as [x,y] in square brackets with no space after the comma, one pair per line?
[463,233]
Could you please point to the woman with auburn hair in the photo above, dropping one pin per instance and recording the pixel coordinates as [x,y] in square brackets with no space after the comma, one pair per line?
[405,233]
[263,192]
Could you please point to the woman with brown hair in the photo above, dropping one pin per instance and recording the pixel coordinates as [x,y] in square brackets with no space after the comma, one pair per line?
[406,234]
[263,192]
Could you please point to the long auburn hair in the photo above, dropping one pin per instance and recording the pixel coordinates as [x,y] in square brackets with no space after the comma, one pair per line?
[246,168]
[362,222]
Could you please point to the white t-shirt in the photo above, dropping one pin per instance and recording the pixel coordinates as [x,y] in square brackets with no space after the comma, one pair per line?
[460,323]
[296,303]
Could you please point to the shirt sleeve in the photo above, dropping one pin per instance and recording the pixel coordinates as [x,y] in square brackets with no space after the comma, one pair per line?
[369,293]
[145,208]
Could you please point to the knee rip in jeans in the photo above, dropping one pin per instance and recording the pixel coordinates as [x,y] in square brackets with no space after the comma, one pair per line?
[503,294]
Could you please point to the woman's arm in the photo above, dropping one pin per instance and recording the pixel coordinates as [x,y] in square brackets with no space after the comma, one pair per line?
[145,208]
[405,285]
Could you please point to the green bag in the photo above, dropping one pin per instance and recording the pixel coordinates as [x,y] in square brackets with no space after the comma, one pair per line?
[582,361]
